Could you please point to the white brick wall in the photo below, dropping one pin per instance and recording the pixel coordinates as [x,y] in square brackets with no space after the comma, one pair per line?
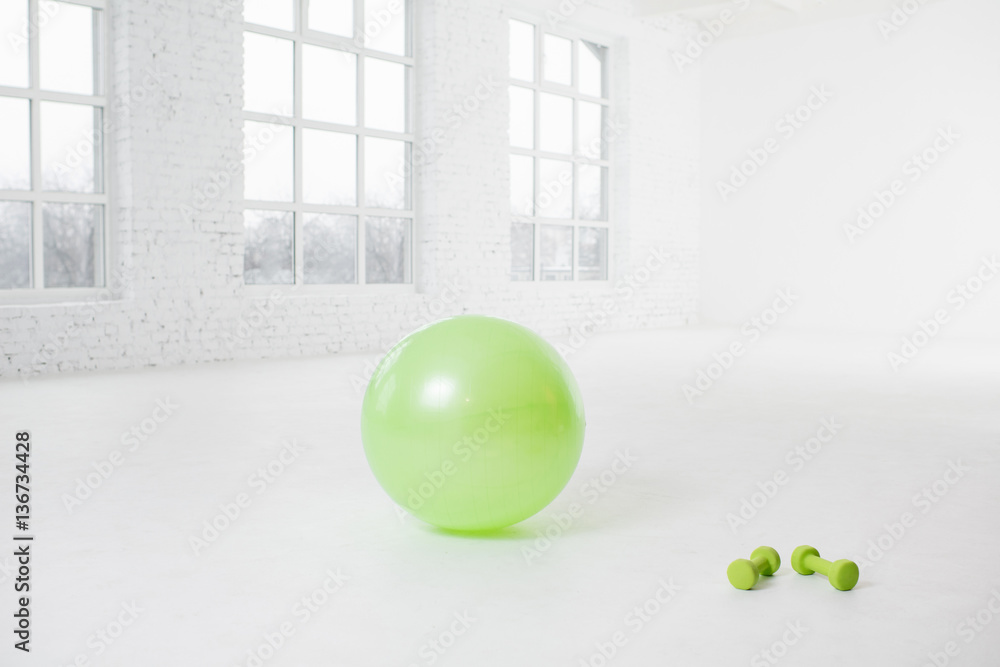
[178,198]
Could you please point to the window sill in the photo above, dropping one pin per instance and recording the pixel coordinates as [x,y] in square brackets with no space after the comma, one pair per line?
[561,285]
[292,291]
[55,296]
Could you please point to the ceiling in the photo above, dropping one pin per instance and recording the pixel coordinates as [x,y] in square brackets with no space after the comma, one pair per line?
[764,15]
[661,7]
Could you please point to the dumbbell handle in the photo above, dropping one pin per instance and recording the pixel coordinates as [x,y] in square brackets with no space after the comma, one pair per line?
[760,562]
[817,564]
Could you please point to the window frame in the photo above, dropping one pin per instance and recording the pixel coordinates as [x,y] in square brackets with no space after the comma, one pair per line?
[538,86]
[301,35]
[37,196]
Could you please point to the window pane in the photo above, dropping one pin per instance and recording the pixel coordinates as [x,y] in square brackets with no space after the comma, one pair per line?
[387,250]
[332,16]
[522,51]
[267,160]
[268,258]
[385,26]
[385,95]
[14,45]
[556,120]
[71,149]
[555,196]
[591,180]
[593,254]
[385,173]
[556,260]
[15,244]
[15,144]
[274,13]
[522,117]
[590,120]
[72,242]
[329,249]
[268,74]
[591,68]
[522,185]
[329,84]
[522,251]
[329,168]
[557,64]
[66,47]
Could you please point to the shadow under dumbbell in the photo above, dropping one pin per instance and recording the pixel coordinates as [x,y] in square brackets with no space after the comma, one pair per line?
[765,582]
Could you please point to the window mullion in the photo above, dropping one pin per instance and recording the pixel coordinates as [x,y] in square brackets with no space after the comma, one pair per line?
[359,120]
[360,164]
[537,175]
[535,164]
[536,260]
[575,168]
[37,244]
[97,31]
[108,228]
[298,267]
[359,24]
[298,251]
[578,226]
[298,223]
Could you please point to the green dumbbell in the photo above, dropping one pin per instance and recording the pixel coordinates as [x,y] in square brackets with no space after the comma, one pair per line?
[843,573]
[743,573]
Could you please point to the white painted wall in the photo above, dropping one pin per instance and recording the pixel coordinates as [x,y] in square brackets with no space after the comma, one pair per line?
[890,96]
[183,298]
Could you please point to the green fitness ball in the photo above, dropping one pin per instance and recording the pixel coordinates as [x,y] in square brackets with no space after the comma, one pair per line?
[472,423]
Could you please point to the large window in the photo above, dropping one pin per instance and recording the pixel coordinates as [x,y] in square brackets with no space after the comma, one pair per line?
[559,166]
[53,196]
[327,141]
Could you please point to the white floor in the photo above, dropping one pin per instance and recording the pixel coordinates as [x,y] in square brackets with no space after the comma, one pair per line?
[411,595]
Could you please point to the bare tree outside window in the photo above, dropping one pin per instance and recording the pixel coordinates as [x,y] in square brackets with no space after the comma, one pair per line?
[53,198]
[559,165]
[319,169]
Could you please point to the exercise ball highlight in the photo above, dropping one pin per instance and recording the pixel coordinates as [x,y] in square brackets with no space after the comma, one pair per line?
[472,423]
